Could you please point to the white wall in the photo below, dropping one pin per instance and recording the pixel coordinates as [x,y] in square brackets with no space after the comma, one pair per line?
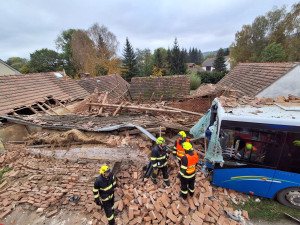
[288,84]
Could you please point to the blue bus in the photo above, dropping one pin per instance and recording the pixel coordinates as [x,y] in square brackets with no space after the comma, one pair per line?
[260,149]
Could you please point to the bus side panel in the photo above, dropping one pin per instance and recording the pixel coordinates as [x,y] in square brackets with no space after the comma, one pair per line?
[283,180]
[255,181]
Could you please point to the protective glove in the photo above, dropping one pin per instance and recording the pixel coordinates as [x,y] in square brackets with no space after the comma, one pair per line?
[97,201]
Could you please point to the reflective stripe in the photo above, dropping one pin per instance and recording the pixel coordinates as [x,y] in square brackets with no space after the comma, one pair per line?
[107,188]
[95,190]
[162,165]
[183,167]
[114,183]
[186,176]
[191,190]
[109,197]
[153,158]
[111,217]
[154,165]
[184,192]
[166,179]
[96,196]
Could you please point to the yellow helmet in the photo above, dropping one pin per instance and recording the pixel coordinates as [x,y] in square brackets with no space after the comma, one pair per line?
[182,134]
[187,146]
[249,146]
[160,140]
[104,169]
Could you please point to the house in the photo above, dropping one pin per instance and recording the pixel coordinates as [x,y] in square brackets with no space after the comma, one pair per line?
[207,65]
[264,79]
[7,70]
[191,67]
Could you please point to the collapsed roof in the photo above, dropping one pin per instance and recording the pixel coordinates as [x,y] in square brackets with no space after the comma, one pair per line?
[27,89]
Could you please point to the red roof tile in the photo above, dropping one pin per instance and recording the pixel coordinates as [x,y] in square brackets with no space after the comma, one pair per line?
[252,78]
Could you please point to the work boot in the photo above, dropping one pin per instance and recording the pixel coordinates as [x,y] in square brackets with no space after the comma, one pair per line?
[167,183]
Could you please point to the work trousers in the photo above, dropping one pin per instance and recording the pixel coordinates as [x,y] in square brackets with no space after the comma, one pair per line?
[187,186]
[109,210]
[164,171]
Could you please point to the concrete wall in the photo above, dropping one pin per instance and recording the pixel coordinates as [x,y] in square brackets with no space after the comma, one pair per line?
[175,86]
[288,84]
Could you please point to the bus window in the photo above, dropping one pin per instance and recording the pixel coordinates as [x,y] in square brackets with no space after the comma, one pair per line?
[290,159]
[252,145]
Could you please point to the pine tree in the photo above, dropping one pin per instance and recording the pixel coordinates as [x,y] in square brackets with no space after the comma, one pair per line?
[177,60]
[158,59]
[219,63]
[129,62]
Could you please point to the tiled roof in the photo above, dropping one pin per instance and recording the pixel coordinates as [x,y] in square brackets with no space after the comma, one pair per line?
[252,78]
[208,62]
[27,89]
[113,83]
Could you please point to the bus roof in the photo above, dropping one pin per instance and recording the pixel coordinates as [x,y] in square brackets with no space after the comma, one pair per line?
[274,113]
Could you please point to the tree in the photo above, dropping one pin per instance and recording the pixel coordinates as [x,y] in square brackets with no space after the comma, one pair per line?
[158,61]
[273,53]
[176,60]
[144,62]
[94,51]
[45,60]
[16,62]
[208,56]
[219,63]
[63,43]
[156,72]
[129,62]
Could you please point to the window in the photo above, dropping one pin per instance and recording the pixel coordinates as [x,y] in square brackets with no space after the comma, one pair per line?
[290,159]
[243,142]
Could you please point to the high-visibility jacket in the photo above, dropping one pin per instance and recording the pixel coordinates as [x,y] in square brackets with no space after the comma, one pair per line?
[188,164]
[104,187]
[178,149]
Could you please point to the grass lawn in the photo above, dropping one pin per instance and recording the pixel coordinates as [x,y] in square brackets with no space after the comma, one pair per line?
[267,209]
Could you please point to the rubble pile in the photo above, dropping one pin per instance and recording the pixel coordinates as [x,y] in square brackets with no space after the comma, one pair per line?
[234,101]
[45,185]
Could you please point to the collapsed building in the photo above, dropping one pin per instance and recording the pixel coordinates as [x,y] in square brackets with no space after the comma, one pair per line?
[57,132]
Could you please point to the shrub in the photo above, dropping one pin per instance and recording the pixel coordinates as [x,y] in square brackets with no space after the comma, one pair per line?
[210,77]
[195,80]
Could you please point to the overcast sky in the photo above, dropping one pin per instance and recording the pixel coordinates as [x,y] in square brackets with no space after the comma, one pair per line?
[30,25]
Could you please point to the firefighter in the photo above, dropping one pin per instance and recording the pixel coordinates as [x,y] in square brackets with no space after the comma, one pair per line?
[178,151]
[159,159]
[104,189]
[188,170]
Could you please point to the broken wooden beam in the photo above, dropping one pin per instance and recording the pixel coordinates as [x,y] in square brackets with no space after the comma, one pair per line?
[47,106]
[103,101]
[118,109]
[184,111]
[33,110]
[175,126]
[135,108]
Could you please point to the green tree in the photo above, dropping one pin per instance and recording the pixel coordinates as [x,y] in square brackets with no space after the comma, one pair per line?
[211,55]
[16,62]
[158,61]
[45,60]
[177,60]
[219,63]
[273,53]
[129,62]
[144,62]
[63,43]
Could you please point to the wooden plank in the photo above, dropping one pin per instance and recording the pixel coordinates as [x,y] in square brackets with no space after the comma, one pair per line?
[152,96]
[139,98]
[42,108]
[47,106]
[161,97]
[118,109]
[136,108]
[184,111]
[62,105]
[103,101]
[33,110]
